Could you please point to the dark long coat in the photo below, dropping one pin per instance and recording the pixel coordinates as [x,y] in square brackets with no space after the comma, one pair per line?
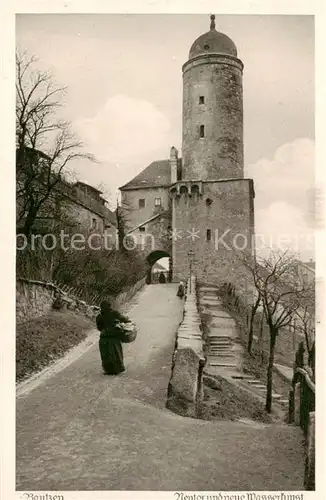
[110,341]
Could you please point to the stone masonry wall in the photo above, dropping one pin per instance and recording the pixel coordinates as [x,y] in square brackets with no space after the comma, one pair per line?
[33,299]
[185,386]
[230,210]
[219,154]
[36,298]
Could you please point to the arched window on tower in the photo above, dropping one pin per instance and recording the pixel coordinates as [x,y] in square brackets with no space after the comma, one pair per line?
[194,189]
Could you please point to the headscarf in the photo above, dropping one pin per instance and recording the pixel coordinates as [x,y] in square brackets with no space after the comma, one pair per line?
[105,307]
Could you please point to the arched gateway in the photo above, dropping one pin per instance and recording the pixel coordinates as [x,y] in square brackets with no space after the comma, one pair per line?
[152,258]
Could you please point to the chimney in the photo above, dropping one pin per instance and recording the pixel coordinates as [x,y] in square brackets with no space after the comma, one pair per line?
[174,164]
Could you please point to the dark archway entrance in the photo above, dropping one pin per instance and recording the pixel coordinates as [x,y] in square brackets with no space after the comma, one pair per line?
[152,258]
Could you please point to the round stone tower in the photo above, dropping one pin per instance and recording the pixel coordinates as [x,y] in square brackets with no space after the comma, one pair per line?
[212,137]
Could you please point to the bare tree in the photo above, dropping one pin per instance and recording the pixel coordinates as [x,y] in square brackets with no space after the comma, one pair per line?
[254,309]
[45,143]
[306,319]
[276,281]
[123,212]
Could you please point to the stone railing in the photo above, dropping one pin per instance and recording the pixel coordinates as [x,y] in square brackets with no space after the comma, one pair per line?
[302,413]
[185,386]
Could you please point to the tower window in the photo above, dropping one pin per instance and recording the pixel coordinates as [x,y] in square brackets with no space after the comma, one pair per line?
[202,131]
[208,235]
[141,202]
[142,229]
[158,202]
[201,99]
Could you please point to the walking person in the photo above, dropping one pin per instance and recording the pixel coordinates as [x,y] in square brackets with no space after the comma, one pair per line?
[181,290]
[161,278]
[108,323]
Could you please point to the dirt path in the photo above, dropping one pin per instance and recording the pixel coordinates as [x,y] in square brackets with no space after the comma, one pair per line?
[81,430]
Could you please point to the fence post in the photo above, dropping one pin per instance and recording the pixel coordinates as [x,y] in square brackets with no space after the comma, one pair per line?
[309,480]
[291,406]
[297,395]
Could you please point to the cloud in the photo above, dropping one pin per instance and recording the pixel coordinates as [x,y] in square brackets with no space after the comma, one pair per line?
[289,176]
[284,197]
[126,130]
[284,188]
[282,226]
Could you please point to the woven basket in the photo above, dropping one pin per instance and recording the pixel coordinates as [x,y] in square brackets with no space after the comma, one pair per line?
[129,337]
[129,334]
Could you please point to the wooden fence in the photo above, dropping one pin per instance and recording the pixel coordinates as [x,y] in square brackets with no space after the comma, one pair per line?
[302,412]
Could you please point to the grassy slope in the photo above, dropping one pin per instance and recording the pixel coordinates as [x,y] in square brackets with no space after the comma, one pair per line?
[231,403]
[45,339]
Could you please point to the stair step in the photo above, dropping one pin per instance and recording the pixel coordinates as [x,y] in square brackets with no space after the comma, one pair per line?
[222,355]
[221,347]
[224,365]
[220,344]
[219,341]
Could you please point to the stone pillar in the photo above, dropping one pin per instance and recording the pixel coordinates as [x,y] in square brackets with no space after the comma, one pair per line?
[297,397]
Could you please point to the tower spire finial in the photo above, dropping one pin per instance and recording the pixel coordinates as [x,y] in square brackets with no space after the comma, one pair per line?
[212,22]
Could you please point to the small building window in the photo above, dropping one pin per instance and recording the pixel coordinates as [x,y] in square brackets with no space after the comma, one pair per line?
[208,235]
[141,202]
[202,131]
[201,99]
[94,223]
[142,229]
[158,202]
[209,202]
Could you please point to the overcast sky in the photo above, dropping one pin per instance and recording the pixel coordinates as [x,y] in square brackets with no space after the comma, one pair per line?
[123,74]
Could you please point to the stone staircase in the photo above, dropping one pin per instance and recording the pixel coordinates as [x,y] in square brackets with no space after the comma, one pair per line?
[248,382]
[224,353]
